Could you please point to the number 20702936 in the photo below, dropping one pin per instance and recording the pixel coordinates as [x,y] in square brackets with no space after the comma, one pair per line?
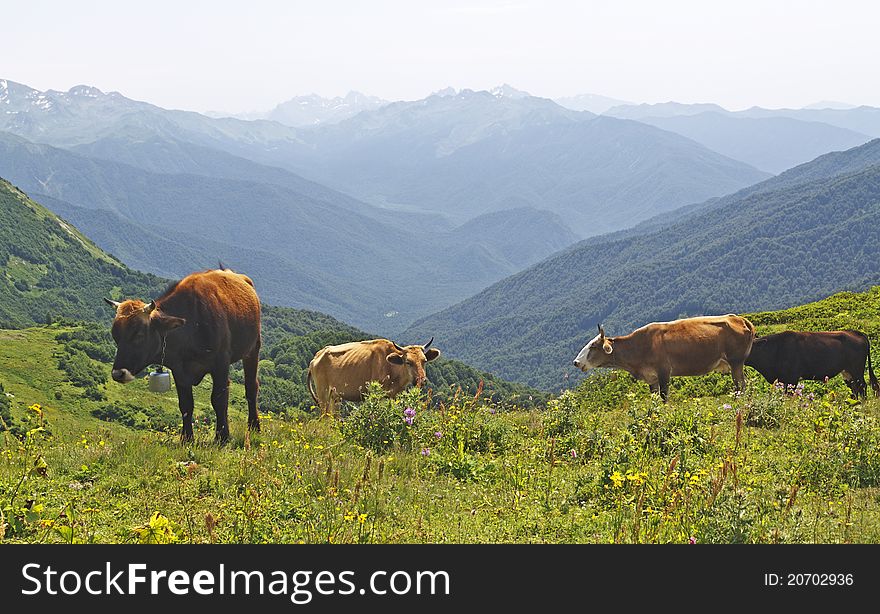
[808,579]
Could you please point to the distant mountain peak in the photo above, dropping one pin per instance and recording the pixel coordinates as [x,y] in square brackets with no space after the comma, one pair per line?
[86,91]
[830,104]
[664,109]
[508,91]
[594,103]
[312,109]
[445,92]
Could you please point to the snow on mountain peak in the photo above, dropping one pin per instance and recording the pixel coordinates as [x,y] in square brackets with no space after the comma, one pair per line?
[508,91]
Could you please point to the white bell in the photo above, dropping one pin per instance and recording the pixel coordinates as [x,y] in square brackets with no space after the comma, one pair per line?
[160,381]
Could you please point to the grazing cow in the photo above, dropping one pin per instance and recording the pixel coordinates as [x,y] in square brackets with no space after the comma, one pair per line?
[341,371]
[791,356]
[691,346]
[200,325]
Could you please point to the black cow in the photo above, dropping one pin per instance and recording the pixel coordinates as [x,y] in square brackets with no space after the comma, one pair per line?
[790,356]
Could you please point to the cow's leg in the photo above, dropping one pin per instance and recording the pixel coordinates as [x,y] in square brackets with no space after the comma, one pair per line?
[187,404]
[220,401]
[858,388]
[655,388]
[663,383]
[251,388]
[739,377]
[333,398]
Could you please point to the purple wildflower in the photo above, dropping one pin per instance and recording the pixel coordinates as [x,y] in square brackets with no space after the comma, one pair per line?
[426,451]
[728,406]
[491,410]
[574,453]
[692,540]
[438,434]
[409,411]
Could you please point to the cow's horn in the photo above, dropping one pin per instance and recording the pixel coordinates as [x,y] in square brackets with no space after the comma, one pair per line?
[427,345]
[149,308]
[601,331]
[398,348]
[111,302]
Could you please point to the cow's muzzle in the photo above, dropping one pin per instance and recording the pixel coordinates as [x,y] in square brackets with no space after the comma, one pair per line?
[123,376]
[581,365]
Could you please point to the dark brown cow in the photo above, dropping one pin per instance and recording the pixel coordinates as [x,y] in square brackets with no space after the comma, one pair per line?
[690,346]
[791,356]
[341,371]
[201,325]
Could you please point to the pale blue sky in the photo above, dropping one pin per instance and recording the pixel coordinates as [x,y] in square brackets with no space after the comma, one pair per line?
[239,56]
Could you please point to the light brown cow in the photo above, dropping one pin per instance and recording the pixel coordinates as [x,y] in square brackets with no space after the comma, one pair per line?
[690,346]
[340,372]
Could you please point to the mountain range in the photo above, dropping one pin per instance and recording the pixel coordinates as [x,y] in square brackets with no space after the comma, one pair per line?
[477,152]
[323,214]
[311,109]
[771,140]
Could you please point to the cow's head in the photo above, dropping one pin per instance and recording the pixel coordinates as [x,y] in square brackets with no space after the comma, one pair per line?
[413,358]
[138,330]
[597,353]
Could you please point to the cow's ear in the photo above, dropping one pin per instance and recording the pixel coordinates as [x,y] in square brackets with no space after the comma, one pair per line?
[607,346]
[432,354]
[395,359]
[165,322]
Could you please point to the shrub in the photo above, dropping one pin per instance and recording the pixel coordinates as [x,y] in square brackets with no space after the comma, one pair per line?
[145,418]
[379,423]
[765,409]
[7,422]
[81,371]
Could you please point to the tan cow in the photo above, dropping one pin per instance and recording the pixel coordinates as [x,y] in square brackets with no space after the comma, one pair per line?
[340,372]
[690,346]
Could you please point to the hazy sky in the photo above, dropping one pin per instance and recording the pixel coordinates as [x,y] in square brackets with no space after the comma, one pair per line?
[250,55]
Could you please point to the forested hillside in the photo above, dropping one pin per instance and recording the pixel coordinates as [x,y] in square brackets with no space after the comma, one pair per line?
[49,270]
[764,250]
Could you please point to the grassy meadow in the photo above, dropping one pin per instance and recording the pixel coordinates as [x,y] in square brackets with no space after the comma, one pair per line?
[605,462]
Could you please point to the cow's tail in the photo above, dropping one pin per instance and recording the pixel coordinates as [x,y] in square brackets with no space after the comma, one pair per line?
[310,384]
[875,386]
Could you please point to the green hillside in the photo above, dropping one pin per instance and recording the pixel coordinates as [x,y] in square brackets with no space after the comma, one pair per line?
[49,270]
[857,310]
[762,250]
[604,463]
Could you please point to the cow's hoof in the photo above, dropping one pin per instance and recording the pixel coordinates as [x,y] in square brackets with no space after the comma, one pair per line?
[254,426]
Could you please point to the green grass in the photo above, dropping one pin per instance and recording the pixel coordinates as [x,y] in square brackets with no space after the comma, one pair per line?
[603,463]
